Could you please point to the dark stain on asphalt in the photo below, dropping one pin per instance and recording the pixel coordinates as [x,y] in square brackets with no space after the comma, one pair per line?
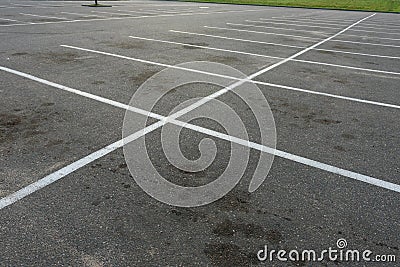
[98,82]
[23,125]
[58,57]
[235,201]
[348,136]
[248,230]
[338,46]
[326,121]
[339,148]
[141,77]
[223,59]
[129,45]
[186,215]
[19,54]
[226,254]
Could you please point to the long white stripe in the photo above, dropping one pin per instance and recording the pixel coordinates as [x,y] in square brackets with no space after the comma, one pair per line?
[10,20]
[292,24]
[283,45]
[47,17]
[112,13]
[322,27]
[316,23]
[20,194]
[237,39]
[83,15]
[301,37]
[139,12]
[317,32]
[266,33]
[235,78]
[277,28]
[266,56]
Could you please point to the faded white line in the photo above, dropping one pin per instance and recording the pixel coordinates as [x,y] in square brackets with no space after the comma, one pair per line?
[83,15]
[112,13]
[292,24]
[315,32]
[323,27]
[40,16]
[324,22]
[277,28]
[11,20]
[234,78]
[283,45]
[266,56]
[139,12]
[237,39]
[266,33]
[301,37]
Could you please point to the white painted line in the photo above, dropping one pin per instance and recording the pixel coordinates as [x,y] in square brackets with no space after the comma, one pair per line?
[83,15]
[337,20]
[283,45]
[315,32]
[298,16]
[26,191]
[386,22]
[277,28]
[112,13]
[236,39]
[372,37]
[40,16]
[292,24]
[266,56]
[364,43]
[139,12]
[302,37]
[19,5]
[266,33]
[11,20]
[204,47]
[234,78]
[134,17]
[307,21]
[323,27]
[164,11]
[335,23]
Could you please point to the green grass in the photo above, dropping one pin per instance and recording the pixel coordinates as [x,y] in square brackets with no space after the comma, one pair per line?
[368,5]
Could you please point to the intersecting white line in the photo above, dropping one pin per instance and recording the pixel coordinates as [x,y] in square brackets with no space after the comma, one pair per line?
[300,37]
[266,56]
[4,202]
[282,45]
[315,32]
[323,27]
[234,78]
